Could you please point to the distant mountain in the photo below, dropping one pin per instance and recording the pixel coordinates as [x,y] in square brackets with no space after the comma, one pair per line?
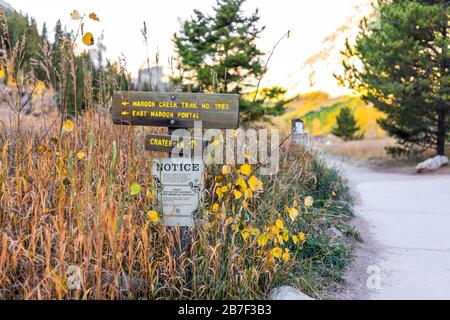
[316,71]
[6,6]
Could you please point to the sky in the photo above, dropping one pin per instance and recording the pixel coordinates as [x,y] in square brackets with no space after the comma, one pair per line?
[310,22]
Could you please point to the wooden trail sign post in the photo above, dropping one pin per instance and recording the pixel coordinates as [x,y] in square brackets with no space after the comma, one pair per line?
[179,189]
[176,110]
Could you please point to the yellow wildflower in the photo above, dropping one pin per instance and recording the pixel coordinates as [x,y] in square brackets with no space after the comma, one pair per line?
[215,207]
[294,239]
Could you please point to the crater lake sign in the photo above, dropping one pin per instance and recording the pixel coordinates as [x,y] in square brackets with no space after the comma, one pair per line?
[175,110]
[166,143]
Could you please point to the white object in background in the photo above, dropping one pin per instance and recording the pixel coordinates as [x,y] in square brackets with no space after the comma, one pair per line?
[432,164]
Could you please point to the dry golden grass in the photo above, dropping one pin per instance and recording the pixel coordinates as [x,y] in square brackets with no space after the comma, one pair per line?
[65,201]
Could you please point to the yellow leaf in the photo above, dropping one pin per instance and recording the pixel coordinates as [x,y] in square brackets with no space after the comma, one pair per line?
[285,235]
[219,193]
[244,234]
[88,39]
[241,184]
[75,15]
[302,236]
[280,239]
[255,184]
[276,252]
[68,125]
[42,149]
[206,226]
[237,194]
[153,215]
[308,201]
[93,16]
[279,224]
[262,240]
[215,207]
[246,169]
[218,179]
[81,155]
[275,230]
[135,189]
[293,213]
[248,194]
[226,170]
[150,194]
[46,210]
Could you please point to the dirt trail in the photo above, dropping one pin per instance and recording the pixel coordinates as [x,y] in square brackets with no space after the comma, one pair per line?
[404,220]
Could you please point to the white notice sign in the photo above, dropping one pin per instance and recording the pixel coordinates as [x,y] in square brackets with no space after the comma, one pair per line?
[180,188]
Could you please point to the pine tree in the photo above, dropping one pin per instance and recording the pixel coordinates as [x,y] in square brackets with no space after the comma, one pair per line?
[218,52]
[346,125]
[405,71]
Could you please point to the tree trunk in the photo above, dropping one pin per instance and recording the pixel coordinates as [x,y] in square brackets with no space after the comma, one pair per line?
[442,133]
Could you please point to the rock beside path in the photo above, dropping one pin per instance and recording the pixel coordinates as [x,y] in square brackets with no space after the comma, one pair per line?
[432,164]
